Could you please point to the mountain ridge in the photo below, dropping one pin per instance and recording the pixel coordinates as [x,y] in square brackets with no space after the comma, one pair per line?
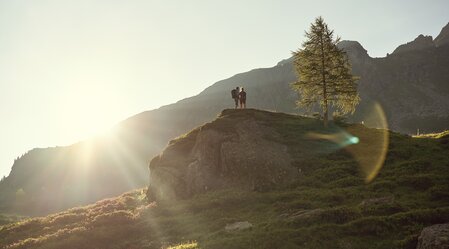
[425,42]
[411,87]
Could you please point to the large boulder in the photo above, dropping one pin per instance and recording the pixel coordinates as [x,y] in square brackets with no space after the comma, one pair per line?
[434,237]
[234,150]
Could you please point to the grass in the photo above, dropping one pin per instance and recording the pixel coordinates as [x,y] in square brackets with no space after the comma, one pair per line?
[328,206]
[8,218]
[444,134]
[188,245]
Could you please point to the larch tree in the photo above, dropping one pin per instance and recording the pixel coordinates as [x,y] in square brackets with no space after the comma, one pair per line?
[324,73]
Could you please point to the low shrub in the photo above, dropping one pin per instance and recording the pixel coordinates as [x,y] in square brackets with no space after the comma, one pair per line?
[387,186]
[370,226]
[115,218]
[410,242]
[421,216]
[349,181]
[418,182]
[383,209]
[337,215]
[439,193]
[66,218]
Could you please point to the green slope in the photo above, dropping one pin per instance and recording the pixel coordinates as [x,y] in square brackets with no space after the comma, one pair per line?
[328,206]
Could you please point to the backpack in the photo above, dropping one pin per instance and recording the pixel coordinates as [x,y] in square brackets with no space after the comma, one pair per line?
[234,93]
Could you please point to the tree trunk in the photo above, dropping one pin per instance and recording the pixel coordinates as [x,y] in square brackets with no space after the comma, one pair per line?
[323,74]
[325,114]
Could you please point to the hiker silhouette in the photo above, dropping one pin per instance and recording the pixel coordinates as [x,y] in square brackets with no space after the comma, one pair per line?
[235,95]
[242,98]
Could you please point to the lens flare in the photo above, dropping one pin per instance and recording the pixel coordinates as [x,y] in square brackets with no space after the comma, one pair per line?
[354,140]
[341,138]
[372,149]
[367,146]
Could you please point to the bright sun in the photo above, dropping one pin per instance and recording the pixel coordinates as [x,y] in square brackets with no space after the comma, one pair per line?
[88,114]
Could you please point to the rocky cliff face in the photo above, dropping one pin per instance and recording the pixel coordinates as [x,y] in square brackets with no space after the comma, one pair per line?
[443,37]
[235,150]
[434,237]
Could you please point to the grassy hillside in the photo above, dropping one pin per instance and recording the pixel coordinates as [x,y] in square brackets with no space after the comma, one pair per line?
[7,218]
[328,206]
[411,86]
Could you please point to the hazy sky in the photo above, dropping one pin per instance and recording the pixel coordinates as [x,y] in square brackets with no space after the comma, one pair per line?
[70,69]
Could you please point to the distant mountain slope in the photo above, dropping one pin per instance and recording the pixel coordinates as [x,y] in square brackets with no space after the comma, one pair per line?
[324,204]
[412,87]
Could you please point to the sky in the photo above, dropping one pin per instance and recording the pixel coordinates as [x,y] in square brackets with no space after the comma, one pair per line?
[72,69]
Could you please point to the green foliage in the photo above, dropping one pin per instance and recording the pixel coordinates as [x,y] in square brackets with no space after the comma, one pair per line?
[324,73]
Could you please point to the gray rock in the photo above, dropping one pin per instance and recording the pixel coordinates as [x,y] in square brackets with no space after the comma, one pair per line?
[434,237]
[226,152]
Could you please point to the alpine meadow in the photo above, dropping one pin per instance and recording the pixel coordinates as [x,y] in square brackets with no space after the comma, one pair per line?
[328,127]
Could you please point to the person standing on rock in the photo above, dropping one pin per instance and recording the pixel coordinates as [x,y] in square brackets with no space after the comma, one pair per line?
[242,98]
[235,96]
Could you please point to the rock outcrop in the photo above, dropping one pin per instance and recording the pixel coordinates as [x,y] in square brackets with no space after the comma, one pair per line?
[234,150]
[434,237]
[443,37]
[421,42]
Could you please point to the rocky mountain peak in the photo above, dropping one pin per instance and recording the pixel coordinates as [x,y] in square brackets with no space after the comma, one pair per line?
[285,62]
[354,50]
[352,46]
[443,37]
[420,42]
[356,53]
